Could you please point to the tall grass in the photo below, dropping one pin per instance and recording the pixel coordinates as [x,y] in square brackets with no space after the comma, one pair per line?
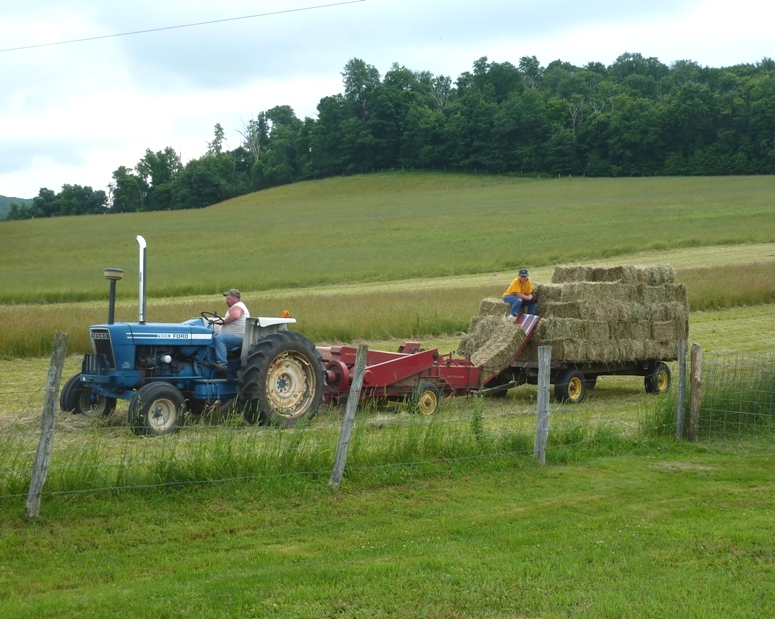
[721,287]
[379,227]
[386,446]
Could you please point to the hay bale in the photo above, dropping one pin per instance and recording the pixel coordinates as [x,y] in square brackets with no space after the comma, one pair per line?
[653,275]
[494,307]
[663,331]
[666,293]
[601,292]
[630,330]
[482,329]
[563,310]
[500,348]
[555,328]
[570,273]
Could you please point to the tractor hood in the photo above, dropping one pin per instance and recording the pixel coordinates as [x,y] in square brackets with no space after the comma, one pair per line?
[164,334]
[154,334]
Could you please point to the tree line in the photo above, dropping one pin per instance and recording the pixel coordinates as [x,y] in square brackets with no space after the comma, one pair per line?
[636,117]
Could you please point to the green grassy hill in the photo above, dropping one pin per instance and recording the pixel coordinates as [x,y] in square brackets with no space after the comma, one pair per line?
[380,227]
[5,204]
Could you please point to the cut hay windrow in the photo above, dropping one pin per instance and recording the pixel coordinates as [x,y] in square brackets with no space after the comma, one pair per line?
[612,314]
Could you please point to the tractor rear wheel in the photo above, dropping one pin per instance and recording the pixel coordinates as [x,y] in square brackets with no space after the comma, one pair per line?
[426,398]
[156,409]
[78,399]
[281,381]
[570,388]
[657,379]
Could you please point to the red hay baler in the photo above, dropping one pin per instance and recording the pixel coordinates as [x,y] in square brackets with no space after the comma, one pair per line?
[422,376]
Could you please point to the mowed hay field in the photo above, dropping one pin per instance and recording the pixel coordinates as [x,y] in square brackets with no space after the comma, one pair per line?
[381,227]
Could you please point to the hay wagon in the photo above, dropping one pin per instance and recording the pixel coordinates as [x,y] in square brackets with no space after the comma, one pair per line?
[598,321]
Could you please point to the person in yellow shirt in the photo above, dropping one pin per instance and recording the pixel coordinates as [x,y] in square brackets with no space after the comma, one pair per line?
[520,294]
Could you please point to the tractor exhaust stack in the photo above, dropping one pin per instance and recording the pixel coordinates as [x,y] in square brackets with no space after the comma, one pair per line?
[141,309]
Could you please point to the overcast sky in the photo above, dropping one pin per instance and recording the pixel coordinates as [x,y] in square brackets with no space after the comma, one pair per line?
[74,113]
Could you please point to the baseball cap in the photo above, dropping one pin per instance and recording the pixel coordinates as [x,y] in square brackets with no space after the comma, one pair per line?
[232,292]
[522,272]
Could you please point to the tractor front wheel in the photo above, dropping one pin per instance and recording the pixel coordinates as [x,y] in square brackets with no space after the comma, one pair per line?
[156,409]
[570,388]
[282,380]
[81,400]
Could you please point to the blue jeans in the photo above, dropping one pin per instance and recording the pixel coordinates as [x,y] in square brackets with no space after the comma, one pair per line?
[516,304]
[223,343]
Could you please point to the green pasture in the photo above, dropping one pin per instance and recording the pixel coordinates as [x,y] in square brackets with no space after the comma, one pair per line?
[380,227]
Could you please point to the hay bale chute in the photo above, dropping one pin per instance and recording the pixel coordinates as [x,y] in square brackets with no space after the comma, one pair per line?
[610,314]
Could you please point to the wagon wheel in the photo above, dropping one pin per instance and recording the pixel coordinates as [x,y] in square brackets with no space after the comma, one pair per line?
[570,388]
[657,379]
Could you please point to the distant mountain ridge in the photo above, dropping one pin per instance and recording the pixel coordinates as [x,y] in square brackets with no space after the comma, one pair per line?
[5,204]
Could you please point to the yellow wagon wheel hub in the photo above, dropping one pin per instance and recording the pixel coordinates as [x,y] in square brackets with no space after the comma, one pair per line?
[663,381]
[575,388]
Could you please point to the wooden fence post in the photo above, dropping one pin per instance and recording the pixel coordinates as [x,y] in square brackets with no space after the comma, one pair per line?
[679,412]
[542,403]
[47,423]
[696,399]
[349,417]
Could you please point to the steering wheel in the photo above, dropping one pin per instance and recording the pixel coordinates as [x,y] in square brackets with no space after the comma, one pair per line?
[211,317]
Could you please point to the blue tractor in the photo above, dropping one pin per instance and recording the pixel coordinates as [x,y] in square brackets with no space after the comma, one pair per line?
[165,372]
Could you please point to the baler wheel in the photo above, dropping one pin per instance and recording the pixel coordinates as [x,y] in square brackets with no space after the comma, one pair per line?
[80,400]
[426,398]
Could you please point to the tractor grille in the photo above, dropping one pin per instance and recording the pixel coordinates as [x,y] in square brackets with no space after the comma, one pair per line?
[101,344]
[95,365]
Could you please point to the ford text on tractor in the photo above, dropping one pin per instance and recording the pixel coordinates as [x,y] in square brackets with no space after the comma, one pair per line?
[163,370]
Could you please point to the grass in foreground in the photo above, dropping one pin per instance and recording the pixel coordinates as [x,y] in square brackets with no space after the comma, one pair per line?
[664,530]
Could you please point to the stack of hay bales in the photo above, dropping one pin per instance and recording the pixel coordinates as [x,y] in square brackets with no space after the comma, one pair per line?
[616,314]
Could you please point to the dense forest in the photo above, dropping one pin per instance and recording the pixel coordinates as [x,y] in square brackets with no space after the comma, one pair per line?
[636,117]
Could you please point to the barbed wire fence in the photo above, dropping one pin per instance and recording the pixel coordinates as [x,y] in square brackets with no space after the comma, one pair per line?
[736,395]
